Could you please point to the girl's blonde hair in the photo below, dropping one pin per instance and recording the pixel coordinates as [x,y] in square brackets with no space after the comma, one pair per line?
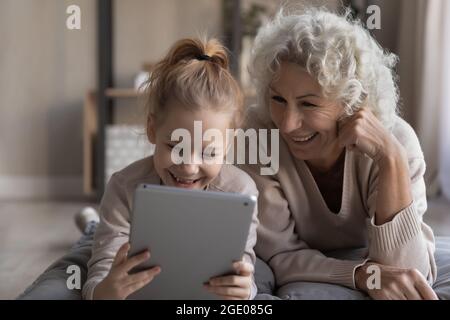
[194,73]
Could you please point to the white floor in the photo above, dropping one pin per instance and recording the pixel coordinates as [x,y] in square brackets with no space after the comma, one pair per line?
[34,234]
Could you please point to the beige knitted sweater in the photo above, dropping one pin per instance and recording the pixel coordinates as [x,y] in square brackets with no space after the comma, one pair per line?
[117,204]
[297,230]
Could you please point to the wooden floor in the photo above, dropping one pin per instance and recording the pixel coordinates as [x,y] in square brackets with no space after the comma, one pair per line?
[34,234]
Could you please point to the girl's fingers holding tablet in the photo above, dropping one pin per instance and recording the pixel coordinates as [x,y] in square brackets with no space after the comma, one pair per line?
[229,292]
[228,297]
[135,261]
[137,285]
[233,286]
[243,268]
[142,276]
[233,280]
[119,284]
[121,254]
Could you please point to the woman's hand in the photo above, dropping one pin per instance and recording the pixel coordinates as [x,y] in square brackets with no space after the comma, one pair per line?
[119,284]
[233,287]
[366,133]
[395,284]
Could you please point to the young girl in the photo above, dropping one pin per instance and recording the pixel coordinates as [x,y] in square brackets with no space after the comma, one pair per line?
[192,83]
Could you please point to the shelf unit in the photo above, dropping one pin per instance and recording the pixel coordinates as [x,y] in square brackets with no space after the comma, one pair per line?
[91,126]
[99,105]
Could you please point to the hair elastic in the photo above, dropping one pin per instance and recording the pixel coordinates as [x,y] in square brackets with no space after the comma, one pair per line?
[203,57]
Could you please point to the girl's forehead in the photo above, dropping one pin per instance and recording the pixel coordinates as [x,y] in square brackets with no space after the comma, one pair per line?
[195,122]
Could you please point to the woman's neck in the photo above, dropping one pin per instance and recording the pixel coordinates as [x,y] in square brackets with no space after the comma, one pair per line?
[325,164]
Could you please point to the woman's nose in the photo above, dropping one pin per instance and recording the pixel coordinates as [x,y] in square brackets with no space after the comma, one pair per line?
[292,120]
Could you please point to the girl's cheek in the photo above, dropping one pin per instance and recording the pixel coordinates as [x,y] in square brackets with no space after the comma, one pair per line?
[214,170]
[162,157]
[168,159]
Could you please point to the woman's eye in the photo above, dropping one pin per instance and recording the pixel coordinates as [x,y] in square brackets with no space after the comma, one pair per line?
[278,99]
[309,105]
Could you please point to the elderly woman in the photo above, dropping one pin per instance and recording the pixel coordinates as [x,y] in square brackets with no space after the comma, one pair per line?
[347,203]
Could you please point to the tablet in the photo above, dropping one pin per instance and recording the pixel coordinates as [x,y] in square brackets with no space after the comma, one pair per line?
[192,234]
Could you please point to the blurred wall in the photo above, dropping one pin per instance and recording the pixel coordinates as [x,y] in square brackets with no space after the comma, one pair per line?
[46,70]
[145,29]
[390,17]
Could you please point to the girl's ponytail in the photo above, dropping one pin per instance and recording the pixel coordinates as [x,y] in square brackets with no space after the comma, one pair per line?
[195,73]
[189,49]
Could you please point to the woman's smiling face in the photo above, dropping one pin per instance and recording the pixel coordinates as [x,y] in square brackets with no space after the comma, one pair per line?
[306,119]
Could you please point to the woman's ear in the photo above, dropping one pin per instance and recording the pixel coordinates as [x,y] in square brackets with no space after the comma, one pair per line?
[151,135]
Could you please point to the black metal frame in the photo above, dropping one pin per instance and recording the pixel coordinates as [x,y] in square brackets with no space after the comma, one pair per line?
[236,37]
[105,81]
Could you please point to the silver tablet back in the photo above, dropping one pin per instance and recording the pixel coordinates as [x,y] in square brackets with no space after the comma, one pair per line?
[191,234]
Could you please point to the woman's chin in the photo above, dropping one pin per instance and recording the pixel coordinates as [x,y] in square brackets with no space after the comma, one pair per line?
[300,155]
[302,152]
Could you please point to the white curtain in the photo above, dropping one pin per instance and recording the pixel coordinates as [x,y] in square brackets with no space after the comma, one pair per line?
[444,145]
[424,70]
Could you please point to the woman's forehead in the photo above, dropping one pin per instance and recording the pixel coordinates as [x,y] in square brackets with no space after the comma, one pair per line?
[294,79]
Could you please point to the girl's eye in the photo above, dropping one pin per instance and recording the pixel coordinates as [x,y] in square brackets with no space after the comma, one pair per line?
[178,149]
[278,99]
[210,153]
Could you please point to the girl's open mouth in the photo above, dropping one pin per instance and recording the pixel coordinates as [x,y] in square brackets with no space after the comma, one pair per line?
[183,182]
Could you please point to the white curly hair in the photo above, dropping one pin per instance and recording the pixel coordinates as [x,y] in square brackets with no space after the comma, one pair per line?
[338,52]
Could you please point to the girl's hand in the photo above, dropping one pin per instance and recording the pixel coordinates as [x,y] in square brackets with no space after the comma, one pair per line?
[366,133]
[233,287]
[395,284]
[119,284]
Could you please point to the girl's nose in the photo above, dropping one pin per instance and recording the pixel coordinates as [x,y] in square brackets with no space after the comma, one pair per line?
[190,169]
[292,120]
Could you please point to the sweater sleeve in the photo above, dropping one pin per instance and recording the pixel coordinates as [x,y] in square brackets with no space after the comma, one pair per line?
[290,258]
[405,241]
[112,232]
[249,254]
